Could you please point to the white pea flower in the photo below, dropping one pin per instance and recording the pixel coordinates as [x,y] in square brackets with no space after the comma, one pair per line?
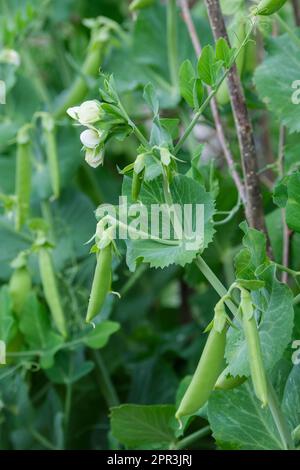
[89,112]
[94,157]
[73,112]
[90,138]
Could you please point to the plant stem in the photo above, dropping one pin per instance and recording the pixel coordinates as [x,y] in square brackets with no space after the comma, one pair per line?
[213,104]
[108,389]
[172,42]
[42,440]
[279,418]
[68,403]
[254,207]
[215,282]
[194,437]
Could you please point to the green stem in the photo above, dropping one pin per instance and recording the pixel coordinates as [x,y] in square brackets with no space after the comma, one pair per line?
[296,299]
[172,41]
[279,419]
[135,129]
[108,389]
[194,437]
[42,440]
[68,403]
[287,270]
[215,282]
[133,279]
[210,96]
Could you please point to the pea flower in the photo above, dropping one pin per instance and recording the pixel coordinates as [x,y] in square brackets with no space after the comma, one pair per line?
[94,157]
[90,138]
[87,113]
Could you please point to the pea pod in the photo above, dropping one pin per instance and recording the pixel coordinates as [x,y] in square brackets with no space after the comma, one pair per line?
[227,382]
[51,151]
[51,290]
[140,4]
[206,374]
[268,7]
[19,287]
[101,282]
[90,68]
[254,348]
[23,176]
[137,180]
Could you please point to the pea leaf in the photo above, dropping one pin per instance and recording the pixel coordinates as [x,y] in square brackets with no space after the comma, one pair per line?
[35,326]
[187,81]
[293,202]
[184,190]
[69,368]
[7,322]
[276,89]
[291,398]
[238,421]
[144,426]
[98,337]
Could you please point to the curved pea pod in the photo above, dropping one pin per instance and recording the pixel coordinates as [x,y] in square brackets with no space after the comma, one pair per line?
[51,151]
[51,290]
[257,369]
[101,282]
[268,7]
[228,382]
[23,176]
[208,370]
[222,94]
[140,4]
[90,68]
[19,287]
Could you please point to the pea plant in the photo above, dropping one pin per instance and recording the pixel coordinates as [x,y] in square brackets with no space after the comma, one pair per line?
[150,238]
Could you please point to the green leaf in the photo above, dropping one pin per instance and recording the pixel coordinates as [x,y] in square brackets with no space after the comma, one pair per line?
[98,337]
[7,322]
[206,65]
[186,82]
[198,93]
[275,88]
[293,202]
[69,368]
[238,421]
[35,326]
[144,425]
[183,190]
[291,398]
[223,52]
[151,98]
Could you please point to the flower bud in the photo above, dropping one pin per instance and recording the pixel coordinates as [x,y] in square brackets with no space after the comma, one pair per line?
[165,156]
[90,138]
[94,157]
[139,163]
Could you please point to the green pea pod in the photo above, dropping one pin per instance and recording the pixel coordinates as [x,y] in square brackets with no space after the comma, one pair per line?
[19,287]
[268,7]
[140,4]
[208,370]
[90,68]
[227,381]
[23,176]
[51,290]
[137,180]
[101,283]
[222,94]
[254,348]
[51,151]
